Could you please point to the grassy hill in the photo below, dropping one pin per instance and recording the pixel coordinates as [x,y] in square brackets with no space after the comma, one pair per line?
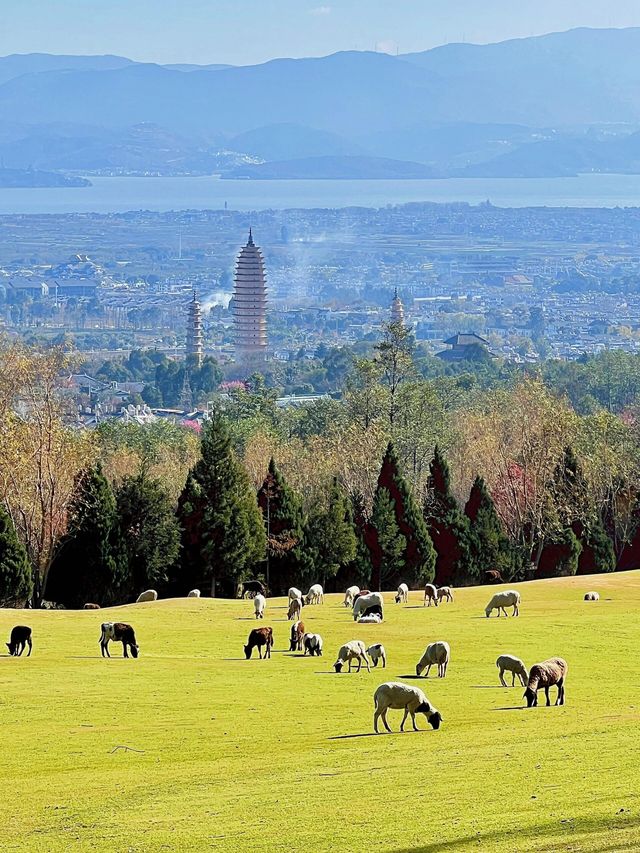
[262,755]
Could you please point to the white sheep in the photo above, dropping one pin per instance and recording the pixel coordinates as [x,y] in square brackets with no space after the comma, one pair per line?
[592,596]
[313,644]
[376,653]
[445,593]
[366,601]
[435,654]
[394,694]
[371,619]
[403,594]
[509,663]
[430,594]
[259,604]
[510,598]
[147,595]
[294,593]
[315,595]
[354,650]
[350,594]
[195,593]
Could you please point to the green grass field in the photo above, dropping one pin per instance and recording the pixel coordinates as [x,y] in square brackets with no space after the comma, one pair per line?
[229,754]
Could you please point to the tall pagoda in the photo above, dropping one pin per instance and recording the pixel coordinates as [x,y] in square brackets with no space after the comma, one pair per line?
[194,346]
[397,309]
[250,304]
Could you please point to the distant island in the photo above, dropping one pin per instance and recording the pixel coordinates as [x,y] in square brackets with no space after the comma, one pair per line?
[332,168]
[34,178]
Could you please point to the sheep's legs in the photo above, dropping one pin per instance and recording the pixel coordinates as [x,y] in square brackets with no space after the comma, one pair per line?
[406,714]
[513,679]
[546,693]
[502,681]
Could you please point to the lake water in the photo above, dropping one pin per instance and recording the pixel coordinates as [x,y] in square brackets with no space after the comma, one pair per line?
[113,195]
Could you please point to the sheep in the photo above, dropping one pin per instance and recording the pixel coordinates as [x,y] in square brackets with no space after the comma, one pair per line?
[509,663]
[294,593]
[296,637]
[313,644]
[249,589]
[315,595]
[394,694]
[510,598]
[355,650]
[295,608]
[403,594]
[445,593]
[20,637]
[377,653]
[90,606]
[435,653]
[258,638]
[194,593]
[370,619]
[119,632]
[545,675]
[147,595]
[592,596]
[350,594]
[364,602]
[259,604]
[430,594]
[493,576]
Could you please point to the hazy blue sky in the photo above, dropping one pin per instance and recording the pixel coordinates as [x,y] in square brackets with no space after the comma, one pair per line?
[246,31]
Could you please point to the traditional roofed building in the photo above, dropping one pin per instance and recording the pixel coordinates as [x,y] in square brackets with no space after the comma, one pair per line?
[466,347]
[250,304]
[194,332]
[397,309]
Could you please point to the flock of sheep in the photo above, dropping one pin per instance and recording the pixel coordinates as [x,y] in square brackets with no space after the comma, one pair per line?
[368,608]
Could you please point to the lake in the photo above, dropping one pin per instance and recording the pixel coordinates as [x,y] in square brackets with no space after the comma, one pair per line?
[113,195]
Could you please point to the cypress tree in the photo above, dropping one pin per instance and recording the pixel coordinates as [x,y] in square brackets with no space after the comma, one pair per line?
[598,554]
[331,535]
[366,543]
[448,526]
[490,548]
[149,532]
[285,522]
[16,579]
[87,564]
[218,512]
[390,541]
[419,556]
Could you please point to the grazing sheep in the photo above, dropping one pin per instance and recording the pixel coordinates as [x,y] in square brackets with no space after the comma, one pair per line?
[296,637]
[294,593]
[195,593]
[20,637]
[119,632]
[313,644]
[510,598]
[592,596]
[374,610]
[445,593]
[147,595]
[545,675]
[355,650]
[295,608]
[364,602]
[493,576]
[249,589]
[258,638]
[509,663]
[90,606]
[376,653]
[430,594]
[435,653]
[259,604]
[370,619]
[315,595]
[403,594]
[394,694]
[350,594]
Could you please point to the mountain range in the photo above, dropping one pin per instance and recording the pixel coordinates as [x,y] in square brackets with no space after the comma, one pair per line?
[550,105]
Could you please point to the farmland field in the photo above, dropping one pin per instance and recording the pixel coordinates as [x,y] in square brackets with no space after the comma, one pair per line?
[228,754]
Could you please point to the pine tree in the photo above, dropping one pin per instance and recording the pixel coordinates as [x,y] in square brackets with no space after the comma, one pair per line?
[219,514]
[570,553]
[448,526]
[149,532]
[366,544]
[16,578]
[330,535]
[285,522]
[419,556]
[490,548]
[87,564]
[390,541]
[598,554]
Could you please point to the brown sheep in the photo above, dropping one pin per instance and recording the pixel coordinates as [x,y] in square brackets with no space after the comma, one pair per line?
[546,674]
[119,632]
[258,638]
[296,637]
[89,606]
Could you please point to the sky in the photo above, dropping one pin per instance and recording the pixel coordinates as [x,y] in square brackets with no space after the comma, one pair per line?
[244,32]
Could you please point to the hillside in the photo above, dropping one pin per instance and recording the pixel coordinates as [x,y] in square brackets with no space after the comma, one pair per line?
[191,747]
[333,168]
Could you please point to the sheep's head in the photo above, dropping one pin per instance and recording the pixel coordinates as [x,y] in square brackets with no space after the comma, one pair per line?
[398,599]
[435,719]
[338,666]
[134,650]
[10,647]
[419,669]
[247,652]
[531,696]
[487,611]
